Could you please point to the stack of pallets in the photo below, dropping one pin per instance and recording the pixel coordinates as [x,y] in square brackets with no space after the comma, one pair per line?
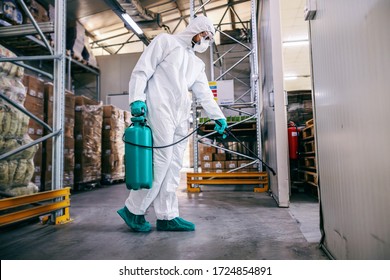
[308,163]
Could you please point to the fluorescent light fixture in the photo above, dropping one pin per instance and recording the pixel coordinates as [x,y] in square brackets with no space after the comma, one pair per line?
[290,78]
[132,23]
[295,43]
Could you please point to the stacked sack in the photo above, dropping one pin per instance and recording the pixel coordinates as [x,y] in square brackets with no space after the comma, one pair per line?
[11,12]
[17,170]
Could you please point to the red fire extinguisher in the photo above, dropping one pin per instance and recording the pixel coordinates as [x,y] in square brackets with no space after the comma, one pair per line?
[293,132]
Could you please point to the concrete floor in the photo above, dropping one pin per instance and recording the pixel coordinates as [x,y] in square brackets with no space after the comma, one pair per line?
[231,223]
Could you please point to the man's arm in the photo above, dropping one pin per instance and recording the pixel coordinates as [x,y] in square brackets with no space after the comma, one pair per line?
[205,97]
[146,66]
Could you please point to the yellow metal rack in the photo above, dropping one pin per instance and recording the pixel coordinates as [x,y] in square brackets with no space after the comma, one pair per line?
[247,178]
[35,205]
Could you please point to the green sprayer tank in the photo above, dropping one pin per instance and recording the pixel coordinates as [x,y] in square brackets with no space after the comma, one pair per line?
[138,160]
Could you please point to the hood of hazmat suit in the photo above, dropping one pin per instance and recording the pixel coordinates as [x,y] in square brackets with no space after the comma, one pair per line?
[165,73]
[196,26]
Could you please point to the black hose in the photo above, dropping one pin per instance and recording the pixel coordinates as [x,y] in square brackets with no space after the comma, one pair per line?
[253,153]
[227,131]
[166,146]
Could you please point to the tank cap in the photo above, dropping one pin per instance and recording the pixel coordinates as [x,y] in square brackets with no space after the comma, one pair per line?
[140,119]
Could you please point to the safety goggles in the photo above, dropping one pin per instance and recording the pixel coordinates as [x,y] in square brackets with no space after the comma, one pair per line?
[208,36]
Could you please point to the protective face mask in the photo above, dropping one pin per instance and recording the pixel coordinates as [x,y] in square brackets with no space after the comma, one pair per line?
[202,46]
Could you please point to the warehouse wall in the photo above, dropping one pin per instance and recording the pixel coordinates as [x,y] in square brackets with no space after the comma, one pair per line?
[274,120]
[350,52]
[115,72]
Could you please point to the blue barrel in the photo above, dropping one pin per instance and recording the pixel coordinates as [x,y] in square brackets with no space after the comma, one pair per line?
[138,160]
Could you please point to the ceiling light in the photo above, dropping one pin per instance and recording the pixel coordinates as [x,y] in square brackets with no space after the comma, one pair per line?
[295,43]
[289,78]
[132,23]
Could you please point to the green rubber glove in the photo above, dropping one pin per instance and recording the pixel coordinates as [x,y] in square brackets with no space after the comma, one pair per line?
[220,126]
[138,108]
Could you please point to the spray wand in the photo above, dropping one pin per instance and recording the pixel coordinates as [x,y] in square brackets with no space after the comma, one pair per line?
[228,132]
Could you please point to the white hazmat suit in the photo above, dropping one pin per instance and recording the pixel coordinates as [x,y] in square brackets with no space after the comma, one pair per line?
[165,73]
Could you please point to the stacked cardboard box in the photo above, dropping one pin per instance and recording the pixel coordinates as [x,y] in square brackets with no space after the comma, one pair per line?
[211,160]
[113,149]
[69,143]
[75,39]
[247,165]
[299,109]
[216,160]
[35,104]
[88,140]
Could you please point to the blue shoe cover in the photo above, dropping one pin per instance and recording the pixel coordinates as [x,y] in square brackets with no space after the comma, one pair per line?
[135,222]
[176,224]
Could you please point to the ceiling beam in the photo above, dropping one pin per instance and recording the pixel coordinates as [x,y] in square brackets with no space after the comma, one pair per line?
[127,41]
[181,13]
[232,19]
[239,19]
[159,4]
[118,44]
[111,37]
[107,49]
[211,9]
[202,6]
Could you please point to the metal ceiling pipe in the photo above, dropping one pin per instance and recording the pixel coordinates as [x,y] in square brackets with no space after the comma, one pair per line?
[151,24]
[135,8]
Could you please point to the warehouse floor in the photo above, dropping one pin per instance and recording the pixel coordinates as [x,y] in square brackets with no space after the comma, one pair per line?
[231,223]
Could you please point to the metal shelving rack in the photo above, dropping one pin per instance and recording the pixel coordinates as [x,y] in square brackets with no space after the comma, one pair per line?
[255,101]
[20,38]
[77,65]
[58,57]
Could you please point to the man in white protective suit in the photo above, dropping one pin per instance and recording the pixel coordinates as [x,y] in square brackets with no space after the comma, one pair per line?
[159,85]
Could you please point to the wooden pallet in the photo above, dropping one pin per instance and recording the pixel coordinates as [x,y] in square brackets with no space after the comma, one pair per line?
[248,178]
[301,175]
[309,122]
[88,185]
[309,147]
[112,181]
[310,162]
[308,132]
[311,178]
